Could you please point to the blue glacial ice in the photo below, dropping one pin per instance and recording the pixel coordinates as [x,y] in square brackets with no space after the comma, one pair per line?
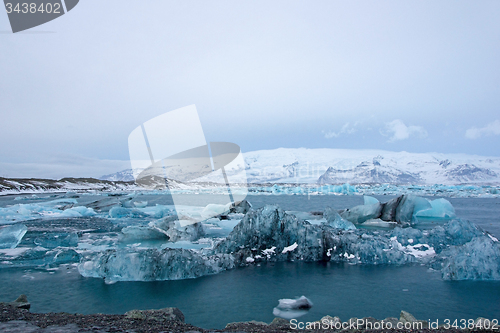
[334,219]
[271,234]
[403,210]
[475,260]
[115,239]
[298,303]
[10,236]
[440,208]
[142,264]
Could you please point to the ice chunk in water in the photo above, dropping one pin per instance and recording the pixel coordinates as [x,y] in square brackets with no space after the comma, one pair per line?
[212,210]
[440,208]
[336,221]
[79,211]
[11,235]
[140,204]
[370,200]
[299,303]
[478,259]
[362,213]
[289,314]
[152,264]
[176,230]
[142,233]
[409,206]
[120,212]
[53,240]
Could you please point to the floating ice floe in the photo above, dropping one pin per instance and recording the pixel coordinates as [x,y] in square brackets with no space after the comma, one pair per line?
[11,235]
[292,308]
[114,239]
[300,303]
[403,209]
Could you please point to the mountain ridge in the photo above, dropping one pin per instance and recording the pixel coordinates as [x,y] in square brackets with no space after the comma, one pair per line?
[336,166]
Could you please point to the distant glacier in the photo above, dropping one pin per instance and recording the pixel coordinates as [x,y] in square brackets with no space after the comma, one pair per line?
[339,166]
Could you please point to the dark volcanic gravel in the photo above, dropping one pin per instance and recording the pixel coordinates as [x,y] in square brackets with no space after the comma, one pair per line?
[15,320]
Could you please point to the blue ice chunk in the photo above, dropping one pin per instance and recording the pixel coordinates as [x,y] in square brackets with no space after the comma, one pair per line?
[79,211]
[151,264]
[362,213]
[478,259]
[336,221]
[370,200]
[40,256]
[11,235]
[53,240]
[121,212]
[140,204]
[59,203]
[142,233]
[212,210]
[440,208]
[409,206]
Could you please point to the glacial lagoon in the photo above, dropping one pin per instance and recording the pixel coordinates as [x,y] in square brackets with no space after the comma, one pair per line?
[250,293]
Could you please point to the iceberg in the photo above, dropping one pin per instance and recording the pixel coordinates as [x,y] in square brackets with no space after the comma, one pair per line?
[121,212]
[478,259]
[56,239]
[300,303]
[362,213]
[176,230]
[41,257]
[140,204]
[440,208]
[78,211]
[212,210]
[12,235]
[403,210]
[151,264]
[336,221]
[409,206]
[135,233]
[367,200]
[289,314]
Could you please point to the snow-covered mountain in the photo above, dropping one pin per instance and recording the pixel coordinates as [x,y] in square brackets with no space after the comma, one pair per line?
[31,185]
[121,176]
[337,166]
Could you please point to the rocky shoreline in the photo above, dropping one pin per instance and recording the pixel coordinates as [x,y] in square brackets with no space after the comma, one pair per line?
[15,317]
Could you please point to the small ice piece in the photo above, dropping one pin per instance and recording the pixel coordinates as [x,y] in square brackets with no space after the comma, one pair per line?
[370,200]
[11,235]
[140,204]
[362,213]
[379,223]
[142,233]
[290,248]
[212,210]
[120,212]
[336,221]
[440,208]
[289,314]
[250,259]
[493,238]
[410,205]
[300,303]
[478,259]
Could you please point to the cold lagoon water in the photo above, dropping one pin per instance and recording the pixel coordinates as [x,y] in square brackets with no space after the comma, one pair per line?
[250,293]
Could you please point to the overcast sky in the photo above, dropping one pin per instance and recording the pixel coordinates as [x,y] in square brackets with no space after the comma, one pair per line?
[419,76]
